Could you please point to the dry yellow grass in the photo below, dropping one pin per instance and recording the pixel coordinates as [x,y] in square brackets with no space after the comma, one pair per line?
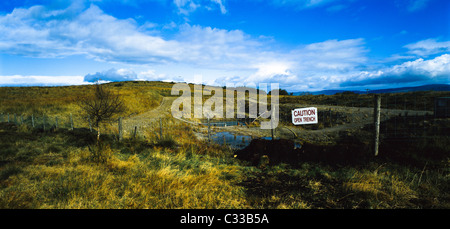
[130,183]
[384,187]
[152,177]
[62,101]
[55,169]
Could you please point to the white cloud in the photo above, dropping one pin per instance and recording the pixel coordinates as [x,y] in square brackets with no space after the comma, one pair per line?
[151,75]
[316,65]
[223,10]
[102,37]
[428,47]
[335,55]
[436,70]
[186,7]
[40,32]
[217,48]
[274,71]
[20,80]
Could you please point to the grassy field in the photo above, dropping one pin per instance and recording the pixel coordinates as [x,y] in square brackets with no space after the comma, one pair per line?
[59,168]
[137,96]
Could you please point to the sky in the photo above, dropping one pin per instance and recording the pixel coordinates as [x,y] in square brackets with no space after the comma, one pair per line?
[303,45]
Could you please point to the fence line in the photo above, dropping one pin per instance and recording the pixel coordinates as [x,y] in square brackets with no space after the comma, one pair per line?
[401,117]
[69,122]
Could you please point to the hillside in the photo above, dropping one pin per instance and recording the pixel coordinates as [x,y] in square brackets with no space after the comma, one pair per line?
[165,163]
[138,96]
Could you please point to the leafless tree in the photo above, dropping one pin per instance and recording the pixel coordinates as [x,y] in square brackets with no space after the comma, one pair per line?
[101,105]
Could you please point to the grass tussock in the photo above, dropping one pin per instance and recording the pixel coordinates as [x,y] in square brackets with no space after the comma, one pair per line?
[58,169]
[40,173]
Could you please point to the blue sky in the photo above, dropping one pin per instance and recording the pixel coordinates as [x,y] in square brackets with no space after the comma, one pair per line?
[304,45]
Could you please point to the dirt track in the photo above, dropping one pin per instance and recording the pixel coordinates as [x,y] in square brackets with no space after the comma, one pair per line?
[359,117]
[150,117]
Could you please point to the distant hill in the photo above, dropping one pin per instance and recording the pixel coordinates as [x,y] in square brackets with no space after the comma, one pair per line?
[430,87]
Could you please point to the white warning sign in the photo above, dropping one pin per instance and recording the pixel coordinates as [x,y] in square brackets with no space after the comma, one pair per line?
[303,116]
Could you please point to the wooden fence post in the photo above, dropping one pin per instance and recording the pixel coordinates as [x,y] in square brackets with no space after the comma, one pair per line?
[44,121]
[71,122]
[376,117]
[329,117]
[56,120]
[32,120]
[209,129]
[160,129]
[135,131]
[120,129]
[271,126]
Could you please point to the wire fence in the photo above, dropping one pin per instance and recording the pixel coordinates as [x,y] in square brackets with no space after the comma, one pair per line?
[42,122]
[114,127]
[402,117]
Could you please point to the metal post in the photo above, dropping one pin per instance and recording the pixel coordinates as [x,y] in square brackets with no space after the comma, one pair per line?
[376,116]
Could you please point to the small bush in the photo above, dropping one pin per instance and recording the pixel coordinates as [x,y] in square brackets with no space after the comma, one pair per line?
[100,152]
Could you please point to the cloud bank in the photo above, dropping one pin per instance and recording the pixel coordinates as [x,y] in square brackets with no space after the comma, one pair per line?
[111,75]
[20,80]
[435,70]
[428,47]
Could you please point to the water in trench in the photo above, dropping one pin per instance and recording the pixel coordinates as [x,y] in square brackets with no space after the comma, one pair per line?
[237,141]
